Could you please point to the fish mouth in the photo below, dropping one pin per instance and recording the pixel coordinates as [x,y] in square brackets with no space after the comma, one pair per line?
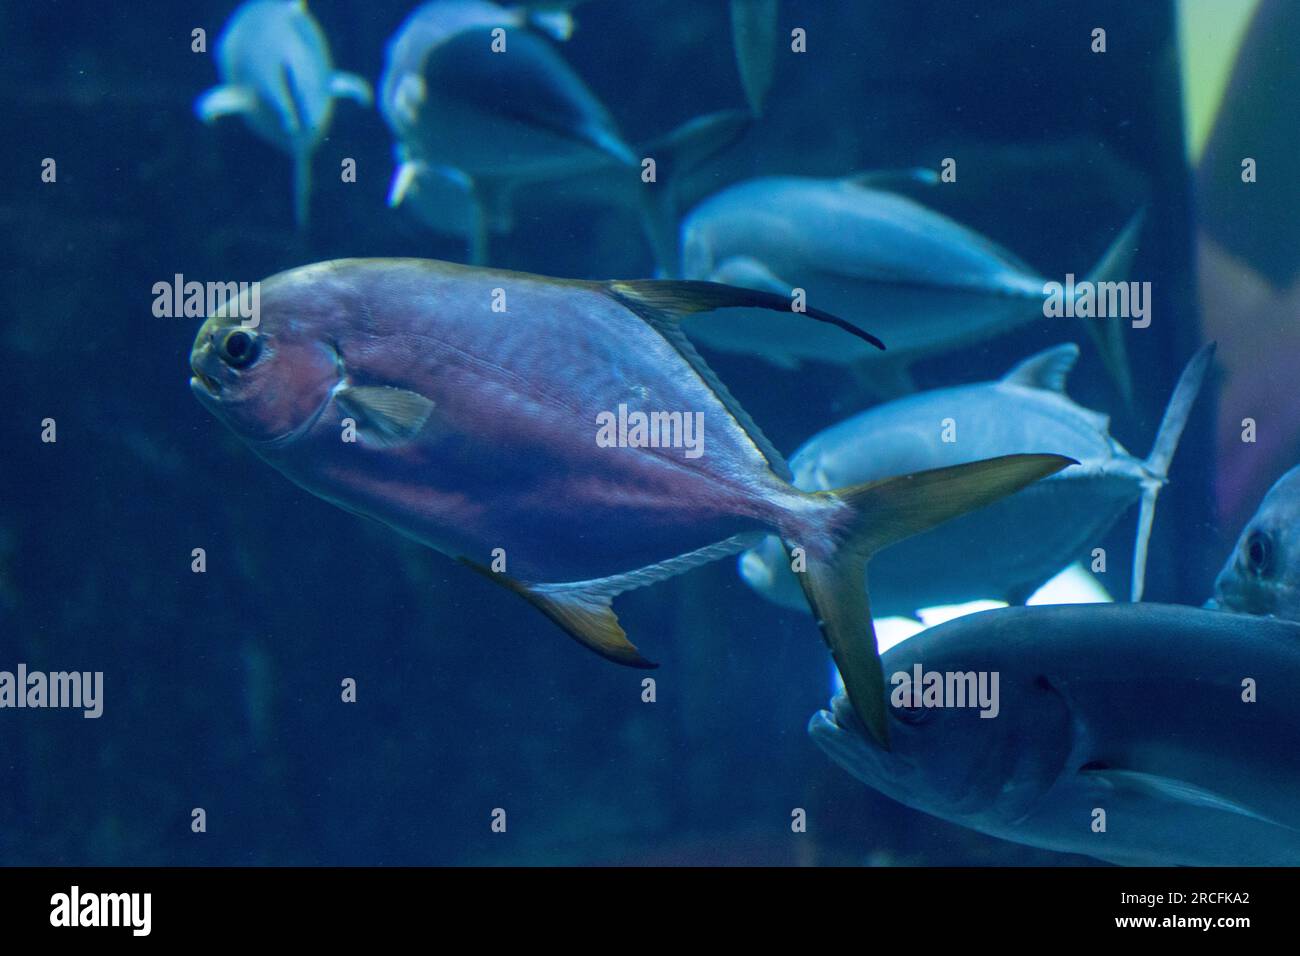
[842,737]
[201,384]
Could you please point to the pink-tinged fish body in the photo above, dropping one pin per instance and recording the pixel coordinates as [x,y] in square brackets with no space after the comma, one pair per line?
[487,414]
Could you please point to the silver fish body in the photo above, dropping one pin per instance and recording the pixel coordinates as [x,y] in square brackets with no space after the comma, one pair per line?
[928,283]
[1262,574]
[1012,547]
[1123,732]
[465,408]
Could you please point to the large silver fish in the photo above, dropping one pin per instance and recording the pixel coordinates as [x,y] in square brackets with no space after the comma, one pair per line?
[276,73]
[1262,575]
[1180,725]
[926,283]
[482,406]
[1012,547]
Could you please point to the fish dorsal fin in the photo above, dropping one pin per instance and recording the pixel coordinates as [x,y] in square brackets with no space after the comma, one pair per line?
[385,416]
[663,303]
[1047,370]
[1176,791]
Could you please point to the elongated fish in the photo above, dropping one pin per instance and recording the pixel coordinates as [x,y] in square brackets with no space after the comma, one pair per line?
[1262,575]
[929,284]
[276,74]
[1011,548]
[501,418]
[1140,734]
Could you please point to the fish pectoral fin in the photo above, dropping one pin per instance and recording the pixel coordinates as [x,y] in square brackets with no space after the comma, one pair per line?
[1173,790]
[385,416]
[349,86]
[225,101]
[585,614]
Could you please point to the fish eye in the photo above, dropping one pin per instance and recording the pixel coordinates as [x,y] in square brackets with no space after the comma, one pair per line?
[1258,551]
[239,348]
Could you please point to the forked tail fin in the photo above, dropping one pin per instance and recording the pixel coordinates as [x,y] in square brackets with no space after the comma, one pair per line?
[883,513]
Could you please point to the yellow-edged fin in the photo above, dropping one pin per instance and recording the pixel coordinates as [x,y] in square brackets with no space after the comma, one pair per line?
[585,615]
[662,303]
[886,512]
[385,416]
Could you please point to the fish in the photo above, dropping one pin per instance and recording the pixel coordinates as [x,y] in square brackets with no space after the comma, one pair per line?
[753,34]
[1012,547]
[928,283]
[479,403]
[472,124]
[1136,710]
[475,129]
[277,75]
[1262,574]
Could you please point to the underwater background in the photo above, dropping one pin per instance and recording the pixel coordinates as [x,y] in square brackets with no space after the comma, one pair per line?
[222,688]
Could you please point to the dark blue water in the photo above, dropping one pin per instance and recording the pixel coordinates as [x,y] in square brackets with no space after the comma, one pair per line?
[222,689]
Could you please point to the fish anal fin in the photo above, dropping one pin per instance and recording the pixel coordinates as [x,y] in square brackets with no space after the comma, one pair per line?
[585,615]
[1046,370]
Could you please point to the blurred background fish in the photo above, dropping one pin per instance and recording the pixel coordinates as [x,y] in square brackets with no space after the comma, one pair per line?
[925,282]
[1011,548]
[276,74]
[1262,573]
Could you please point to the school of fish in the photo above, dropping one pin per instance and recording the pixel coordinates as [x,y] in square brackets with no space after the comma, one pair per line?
[565,439]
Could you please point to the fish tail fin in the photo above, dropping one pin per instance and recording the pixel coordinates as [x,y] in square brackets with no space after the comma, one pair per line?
[1108,333]
[879,514]
[676,154]
[753,29]
[302,188]
[1162,453]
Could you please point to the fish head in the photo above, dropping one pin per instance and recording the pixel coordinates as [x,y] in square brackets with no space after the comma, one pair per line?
[1262,575]
[987,763]
[269,377]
